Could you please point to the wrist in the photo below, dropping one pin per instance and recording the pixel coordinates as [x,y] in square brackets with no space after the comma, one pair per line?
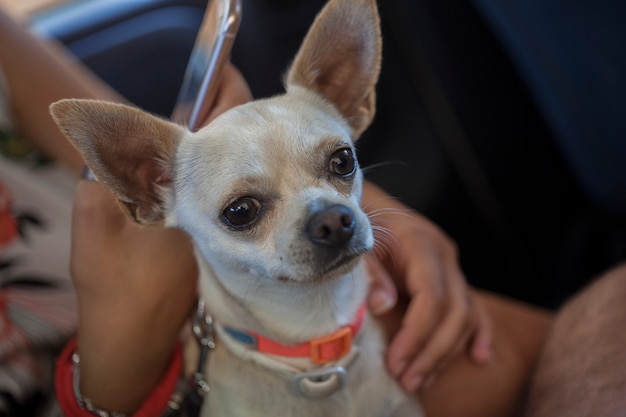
[72,400]
[122,359]
[117,374]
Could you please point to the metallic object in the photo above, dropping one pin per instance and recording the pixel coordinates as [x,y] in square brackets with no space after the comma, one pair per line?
[208,57]
[204,69]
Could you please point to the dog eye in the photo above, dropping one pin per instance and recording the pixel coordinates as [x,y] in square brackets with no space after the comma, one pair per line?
[342,162]
[242,212]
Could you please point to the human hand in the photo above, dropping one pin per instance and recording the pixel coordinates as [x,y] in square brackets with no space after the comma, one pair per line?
[233,90]
[442,318]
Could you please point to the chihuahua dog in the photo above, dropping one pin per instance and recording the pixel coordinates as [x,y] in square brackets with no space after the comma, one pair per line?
[270,194]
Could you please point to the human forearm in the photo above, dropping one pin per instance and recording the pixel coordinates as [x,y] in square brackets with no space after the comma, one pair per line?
[120,373]
[136,287]
[39,73]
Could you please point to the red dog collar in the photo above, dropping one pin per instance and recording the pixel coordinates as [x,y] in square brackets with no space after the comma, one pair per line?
[320,350]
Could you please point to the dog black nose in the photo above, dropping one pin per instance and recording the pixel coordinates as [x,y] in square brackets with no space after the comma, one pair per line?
[333,226]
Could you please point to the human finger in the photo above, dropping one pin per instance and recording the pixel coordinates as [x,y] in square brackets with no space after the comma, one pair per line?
[446,341]
[233,90]
[422,316]
[382,295]
[481,346]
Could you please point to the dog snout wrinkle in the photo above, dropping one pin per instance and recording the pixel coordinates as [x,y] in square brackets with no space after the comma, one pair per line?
[333,226]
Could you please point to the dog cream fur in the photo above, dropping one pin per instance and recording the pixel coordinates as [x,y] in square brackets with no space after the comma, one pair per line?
[269,276]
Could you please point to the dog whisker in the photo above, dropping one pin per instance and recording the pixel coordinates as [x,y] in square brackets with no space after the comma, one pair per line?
[251,289]
[378,200]
[389,213]
[382,164]
[384,239]
[329,296]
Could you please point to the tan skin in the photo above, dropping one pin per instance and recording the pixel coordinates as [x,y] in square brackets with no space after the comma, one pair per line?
[38,74]
[131,308]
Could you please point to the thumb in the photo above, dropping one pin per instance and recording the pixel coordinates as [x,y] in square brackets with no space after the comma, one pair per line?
[481,347]
[232,91]
[383,294]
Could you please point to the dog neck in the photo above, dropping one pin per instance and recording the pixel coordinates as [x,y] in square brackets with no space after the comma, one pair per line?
[288,314]
[327,350]
[319,350]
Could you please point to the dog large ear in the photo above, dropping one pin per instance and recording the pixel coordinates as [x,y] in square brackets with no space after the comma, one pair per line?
[340,60]
[129,151]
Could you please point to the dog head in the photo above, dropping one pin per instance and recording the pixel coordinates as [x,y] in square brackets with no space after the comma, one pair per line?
[270,190]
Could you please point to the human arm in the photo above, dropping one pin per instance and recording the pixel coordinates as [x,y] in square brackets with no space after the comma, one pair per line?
[135,287]
[418,260]
[581,367]
[38,73]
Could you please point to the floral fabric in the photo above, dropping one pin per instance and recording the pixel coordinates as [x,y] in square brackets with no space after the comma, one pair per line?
[37,302]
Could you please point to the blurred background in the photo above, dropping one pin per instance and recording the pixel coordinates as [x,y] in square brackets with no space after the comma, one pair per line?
[24,8]
[504,121]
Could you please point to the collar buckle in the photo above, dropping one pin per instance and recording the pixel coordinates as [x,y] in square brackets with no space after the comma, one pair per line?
[332,347]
